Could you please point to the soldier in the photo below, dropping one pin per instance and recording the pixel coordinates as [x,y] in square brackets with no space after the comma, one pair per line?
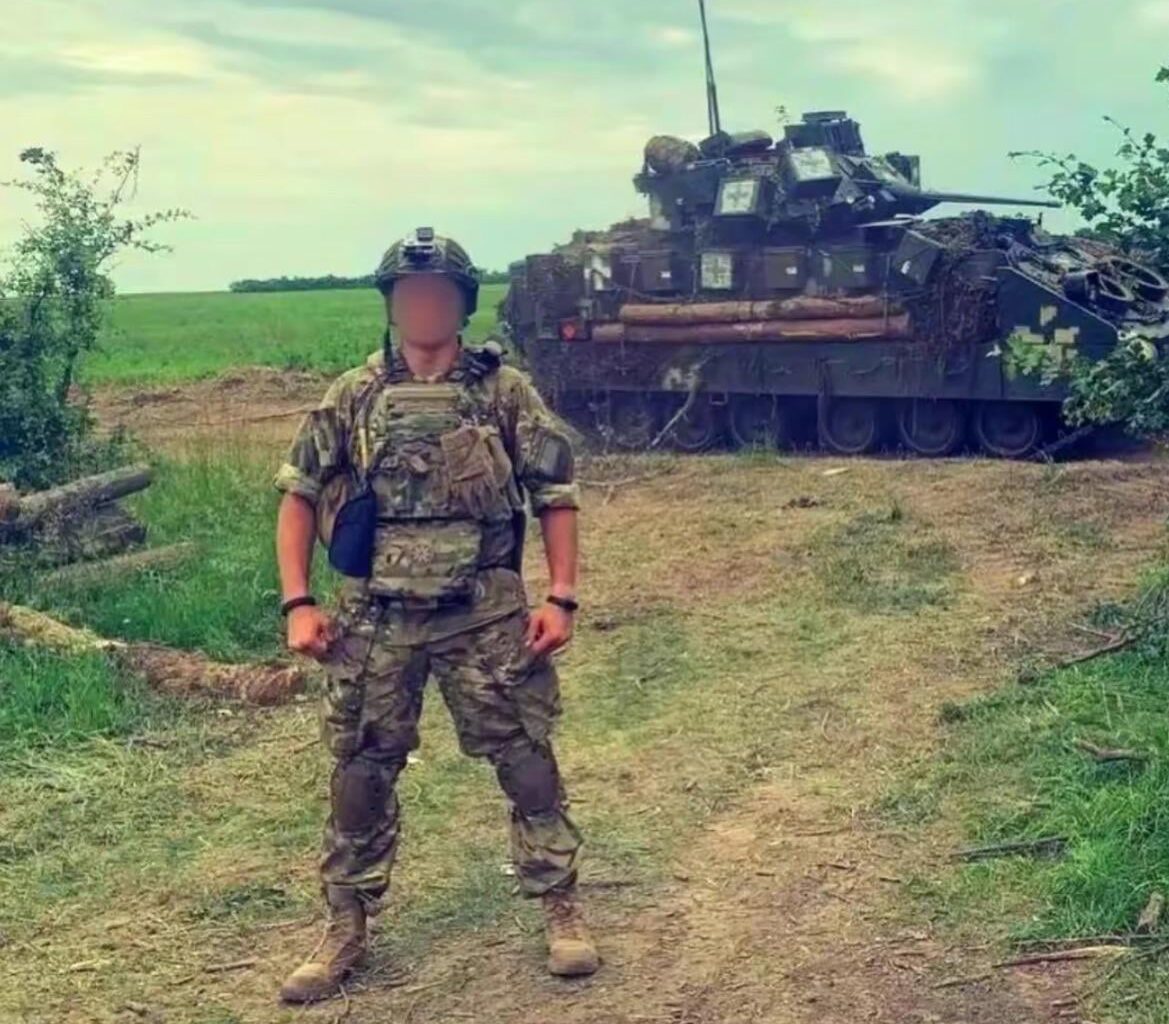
[413,472]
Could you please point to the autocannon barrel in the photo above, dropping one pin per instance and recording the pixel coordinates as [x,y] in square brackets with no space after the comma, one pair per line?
[921,200]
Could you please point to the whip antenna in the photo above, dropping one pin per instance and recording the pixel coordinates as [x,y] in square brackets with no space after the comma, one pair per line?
[711,88]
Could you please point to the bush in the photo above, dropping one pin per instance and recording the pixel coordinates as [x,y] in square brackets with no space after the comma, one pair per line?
[1127,206]
[53,294]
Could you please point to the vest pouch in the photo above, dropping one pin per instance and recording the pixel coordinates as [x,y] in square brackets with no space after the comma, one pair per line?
[477,487]
[354,533]
[431,561]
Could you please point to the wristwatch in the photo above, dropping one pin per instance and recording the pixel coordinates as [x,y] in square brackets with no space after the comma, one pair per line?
[297,602]
[567,603]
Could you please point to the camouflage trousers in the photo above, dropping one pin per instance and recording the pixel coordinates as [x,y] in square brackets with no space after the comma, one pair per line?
[504,703]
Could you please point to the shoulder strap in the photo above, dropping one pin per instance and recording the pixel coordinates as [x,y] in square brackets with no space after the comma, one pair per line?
[361,407]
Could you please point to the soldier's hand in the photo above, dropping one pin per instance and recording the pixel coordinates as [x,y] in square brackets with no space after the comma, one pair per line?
[549,628]
[310,631]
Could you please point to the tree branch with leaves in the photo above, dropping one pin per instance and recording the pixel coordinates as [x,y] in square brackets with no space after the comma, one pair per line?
[1127,206]
[54,293]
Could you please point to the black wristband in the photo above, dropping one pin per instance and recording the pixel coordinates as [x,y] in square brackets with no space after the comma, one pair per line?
[567,603]
[297,602]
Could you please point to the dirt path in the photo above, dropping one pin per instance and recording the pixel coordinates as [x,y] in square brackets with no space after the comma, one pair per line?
[789,906]
[789,902]
[252,405]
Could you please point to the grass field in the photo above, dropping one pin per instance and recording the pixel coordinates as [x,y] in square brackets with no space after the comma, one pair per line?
[165,338]
[787,700]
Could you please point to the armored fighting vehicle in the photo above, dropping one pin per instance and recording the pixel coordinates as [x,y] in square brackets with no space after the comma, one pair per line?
[793,286]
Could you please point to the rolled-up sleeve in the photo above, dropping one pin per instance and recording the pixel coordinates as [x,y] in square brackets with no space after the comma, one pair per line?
[542,451]
[319,450]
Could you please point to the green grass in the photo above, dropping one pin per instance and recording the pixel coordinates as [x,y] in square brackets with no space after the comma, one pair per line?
[223,601]
[172,337]
[879,561]
[1013,771]
[217,821]
[48,699]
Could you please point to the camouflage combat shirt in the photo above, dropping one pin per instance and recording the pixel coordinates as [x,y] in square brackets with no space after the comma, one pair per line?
[323,448]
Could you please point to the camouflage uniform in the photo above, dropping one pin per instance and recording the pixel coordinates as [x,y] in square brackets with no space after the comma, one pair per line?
[496,441]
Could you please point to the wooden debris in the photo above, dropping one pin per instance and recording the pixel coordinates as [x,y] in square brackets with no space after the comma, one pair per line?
[1117,644]
[121,565]
[79,520]
[1079,953]
[235,965]
[1048,846]
[1151,916]
[106,530]
[972,979]
[180,673]
[1104,754]
[88,492]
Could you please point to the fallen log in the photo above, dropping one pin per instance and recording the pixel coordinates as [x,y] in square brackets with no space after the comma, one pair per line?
[101,532]
[121,565]
[801,307]
[178,673]
[854,329]
[87,492]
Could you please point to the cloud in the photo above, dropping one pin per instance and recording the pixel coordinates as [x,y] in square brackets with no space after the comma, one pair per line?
[1153,12]
[163,57]
[306,133]
[920,51]
[909,72]
[670,36]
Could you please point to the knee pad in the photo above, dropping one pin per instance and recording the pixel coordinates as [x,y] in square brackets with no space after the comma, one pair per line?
[530,778]
[360,789]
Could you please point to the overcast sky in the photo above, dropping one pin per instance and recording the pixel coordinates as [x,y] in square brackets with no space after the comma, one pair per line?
[306,135]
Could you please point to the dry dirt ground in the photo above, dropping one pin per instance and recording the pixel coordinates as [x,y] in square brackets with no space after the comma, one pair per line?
[788,903]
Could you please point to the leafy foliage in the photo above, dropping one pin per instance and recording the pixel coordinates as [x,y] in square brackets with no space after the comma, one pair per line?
[1127,206]
[1129,386]
[53,294]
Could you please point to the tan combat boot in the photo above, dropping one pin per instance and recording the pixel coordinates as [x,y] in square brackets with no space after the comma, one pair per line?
[570,948]
[338,952]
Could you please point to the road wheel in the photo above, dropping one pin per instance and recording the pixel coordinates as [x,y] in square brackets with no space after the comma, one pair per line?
[630,421]
[698,430]
[758,421]
[931,427]
[1009,430]
[852,426]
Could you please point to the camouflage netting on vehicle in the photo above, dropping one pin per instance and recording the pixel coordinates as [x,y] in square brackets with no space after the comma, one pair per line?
[633,233]
[958,308]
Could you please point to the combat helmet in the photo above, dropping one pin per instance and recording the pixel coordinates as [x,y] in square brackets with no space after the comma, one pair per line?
[424,252]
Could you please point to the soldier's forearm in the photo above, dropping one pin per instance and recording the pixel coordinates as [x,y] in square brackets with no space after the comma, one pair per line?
[558,526]
[295,532]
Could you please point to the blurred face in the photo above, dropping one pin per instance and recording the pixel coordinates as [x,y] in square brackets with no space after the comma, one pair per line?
[426,309]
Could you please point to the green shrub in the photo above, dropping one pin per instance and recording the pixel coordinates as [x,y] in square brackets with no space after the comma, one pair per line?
[53,295]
